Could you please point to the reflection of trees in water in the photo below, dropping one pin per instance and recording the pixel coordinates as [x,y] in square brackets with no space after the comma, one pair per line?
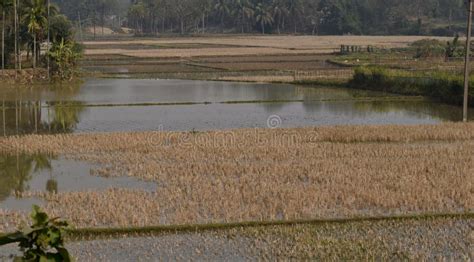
[65,116]
[435,110]
[16,171]
[23,112]
[361,109]
[26,117]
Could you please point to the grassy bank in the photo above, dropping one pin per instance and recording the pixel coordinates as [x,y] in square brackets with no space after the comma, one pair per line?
[92,233]
[444,86]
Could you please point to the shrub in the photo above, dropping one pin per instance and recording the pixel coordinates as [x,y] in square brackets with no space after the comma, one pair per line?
[444,86]
[429,48]
[64,56]
[44,241]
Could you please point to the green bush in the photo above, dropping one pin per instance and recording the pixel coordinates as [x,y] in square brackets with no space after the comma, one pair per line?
[429,48]
[444,86]
[64,56]
[44,241]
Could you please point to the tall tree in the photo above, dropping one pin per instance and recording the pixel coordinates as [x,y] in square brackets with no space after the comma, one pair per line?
[6,6]
[280,11]
[263,16]
[244,11]
[222,9]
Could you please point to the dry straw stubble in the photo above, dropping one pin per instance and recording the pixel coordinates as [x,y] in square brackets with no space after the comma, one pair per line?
[240,175]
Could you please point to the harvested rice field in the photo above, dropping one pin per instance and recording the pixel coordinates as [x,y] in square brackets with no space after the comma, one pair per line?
[255,58]
[257,45]
[237,148]
[262,175]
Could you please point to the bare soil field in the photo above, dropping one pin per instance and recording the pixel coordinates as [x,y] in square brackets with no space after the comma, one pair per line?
[246,45]
[276,57]
[262,175]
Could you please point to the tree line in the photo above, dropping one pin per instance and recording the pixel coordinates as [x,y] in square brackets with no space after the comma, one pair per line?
[441,17]
[27,25]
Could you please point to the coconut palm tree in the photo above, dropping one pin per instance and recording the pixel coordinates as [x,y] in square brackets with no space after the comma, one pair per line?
[222,9]
[136,13]
[279,11]
[36,21]
[263,15]
[244,11]
[5,5]
[295,9]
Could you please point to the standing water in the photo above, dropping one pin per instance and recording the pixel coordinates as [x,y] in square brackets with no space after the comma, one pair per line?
[139,105]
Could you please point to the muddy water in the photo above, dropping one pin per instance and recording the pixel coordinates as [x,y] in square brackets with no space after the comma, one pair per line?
[137,105]
[44,173]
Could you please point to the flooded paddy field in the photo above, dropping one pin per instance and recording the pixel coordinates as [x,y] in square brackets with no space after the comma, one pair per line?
[125,152]
[41,172]
[108,105]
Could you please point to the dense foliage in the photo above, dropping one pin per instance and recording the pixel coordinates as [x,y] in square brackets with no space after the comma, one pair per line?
[440,17]
[444,86]
[64,56]
[44,241]
[27,25]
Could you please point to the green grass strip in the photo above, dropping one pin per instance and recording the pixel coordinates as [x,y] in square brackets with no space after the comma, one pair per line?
[107,232]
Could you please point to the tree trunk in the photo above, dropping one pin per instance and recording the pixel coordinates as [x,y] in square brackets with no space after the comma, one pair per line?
[3,40]
[163,25]
[182,25]
[16,34]
[263,27]
[103,18]
[278,25]
[450,19]
[203,23]
[94,22]
[222,23]
[34,50]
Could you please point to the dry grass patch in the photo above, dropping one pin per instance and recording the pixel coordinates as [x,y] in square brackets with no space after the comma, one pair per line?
[270,65]
[248,45]
[230,176]
[285,42]
[186,53]
[260,78]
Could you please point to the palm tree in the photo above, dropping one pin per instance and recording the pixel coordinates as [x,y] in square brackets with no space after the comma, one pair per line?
[263,15]
[136,13]
[244,11]
[295,10]
[36,20]
[222,9]
[4,5]
[279,12]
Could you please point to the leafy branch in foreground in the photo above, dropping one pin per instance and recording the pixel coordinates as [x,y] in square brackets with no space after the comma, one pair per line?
[43,241]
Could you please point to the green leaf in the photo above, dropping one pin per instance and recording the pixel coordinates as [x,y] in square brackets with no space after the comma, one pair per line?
[39,218]
[65,254]
[12,238]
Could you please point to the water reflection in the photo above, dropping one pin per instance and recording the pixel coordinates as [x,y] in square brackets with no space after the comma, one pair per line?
[27,117]
[20,173]
[105,105]
[16,171]
[136,91]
